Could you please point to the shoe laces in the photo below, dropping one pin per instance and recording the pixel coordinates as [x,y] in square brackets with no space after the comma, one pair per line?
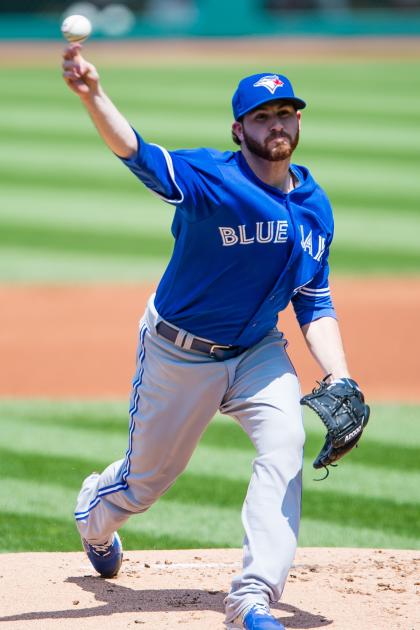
[102,550]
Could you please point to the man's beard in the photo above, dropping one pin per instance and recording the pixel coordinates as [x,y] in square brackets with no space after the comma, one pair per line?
[276,153]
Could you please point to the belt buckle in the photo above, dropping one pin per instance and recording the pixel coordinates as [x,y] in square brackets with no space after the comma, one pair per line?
[215,347]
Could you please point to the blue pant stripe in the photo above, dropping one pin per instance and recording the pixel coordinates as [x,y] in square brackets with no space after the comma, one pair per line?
[134,408]
[118,486]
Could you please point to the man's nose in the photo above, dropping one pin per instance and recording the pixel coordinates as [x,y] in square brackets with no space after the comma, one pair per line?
[276,124]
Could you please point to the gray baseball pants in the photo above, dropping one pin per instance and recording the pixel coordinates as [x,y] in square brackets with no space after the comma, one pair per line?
[176,393]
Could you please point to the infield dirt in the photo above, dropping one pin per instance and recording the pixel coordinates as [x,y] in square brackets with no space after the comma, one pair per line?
[170,52]
[64,342]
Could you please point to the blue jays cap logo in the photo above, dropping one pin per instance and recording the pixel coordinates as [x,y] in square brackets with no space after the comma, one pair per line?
[271,82]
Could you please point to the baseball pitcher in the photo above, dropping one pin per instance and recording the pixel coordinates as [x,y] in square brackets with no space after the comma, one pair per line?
[252,232]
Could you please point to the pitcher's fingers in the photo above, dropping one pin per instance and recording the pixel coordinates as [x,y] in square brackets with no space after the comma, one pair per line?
[71,65]
[71,76]
[71,51]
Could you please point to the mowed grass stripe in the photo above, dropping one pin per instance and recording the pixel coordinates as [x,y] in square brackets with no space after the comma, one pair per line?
[53,534]
[65,472]
[70,239]
[376,233]
[24,266]
[352,476]
[331,534]
[41,179]
[363,260]
[28,437]
[88,210]
[376,205]
[48,533]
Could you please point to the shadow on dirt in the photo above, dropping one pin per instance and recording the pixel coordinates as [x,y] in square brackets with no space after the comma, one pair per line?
[120,599]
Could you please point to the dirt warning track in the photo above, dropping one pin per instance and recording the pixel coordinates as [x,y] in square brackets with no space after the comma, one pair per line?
[80,342]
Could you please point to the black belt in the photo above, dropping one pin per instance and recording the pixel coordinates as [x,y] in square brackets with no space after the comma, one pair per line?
[214,350]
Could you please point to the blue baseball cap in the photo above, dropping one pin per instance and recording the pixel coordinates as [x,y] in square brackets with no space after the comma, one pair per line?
[261,88]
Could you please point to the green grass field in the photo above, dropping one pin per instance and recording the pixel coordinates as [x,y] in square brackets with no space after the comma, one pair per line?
[71,212]
[369,500]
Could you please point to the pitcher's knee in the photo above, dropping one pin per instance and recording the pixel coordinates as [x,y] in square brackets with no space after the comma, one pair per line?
[284,443]
[140,495]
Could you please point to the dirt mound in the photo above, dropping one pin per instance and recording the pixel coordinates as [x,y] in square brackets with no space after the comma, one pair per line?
[341,589]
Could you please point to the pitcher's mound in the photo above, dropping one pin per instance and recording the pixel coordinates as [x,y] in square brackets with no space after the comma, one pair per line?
[342,589]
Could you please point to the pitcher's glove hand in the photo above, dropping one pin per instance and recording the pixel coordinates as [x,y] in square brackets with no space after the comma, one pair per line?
[341,407]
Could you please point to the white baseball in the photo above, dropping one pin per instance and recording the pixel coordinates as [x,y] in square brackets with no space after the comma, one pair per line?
[76,28]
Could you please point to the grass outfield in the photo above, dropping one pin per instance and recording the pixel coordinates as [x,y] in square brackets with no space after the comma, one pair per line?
[47,449]
[70,212]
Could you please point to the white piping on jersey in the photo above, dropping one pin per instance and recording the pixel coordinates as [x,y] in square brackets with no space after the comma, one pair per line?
[171,170]
[315,292]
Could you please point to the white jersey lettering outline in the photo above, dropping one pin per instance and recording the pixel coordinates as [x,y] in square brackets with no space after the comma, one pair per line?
[306,242]
[321,247]
[228,235]
[270,227]
[242,236]
[281,232]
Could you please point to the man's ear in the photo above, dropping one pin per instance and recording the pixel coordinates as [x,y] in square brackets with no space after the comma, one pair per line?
[237,130]
[299,117]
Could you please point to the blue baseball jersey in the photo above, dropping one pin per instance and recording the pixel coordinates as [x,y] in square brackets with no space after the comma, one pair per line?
[243,249]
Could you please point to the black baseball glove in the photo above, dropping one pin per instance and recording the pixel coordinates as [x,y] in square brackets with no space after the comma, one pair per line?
[341,407]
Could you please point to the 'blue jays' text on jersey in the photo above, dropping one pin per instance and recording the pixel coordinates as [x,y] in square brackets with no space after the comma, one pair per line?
[243,249]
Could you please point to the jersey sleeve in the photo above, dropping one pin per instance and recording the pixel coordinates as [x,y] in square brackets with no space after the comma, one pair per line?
[188,179]
[313,300]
